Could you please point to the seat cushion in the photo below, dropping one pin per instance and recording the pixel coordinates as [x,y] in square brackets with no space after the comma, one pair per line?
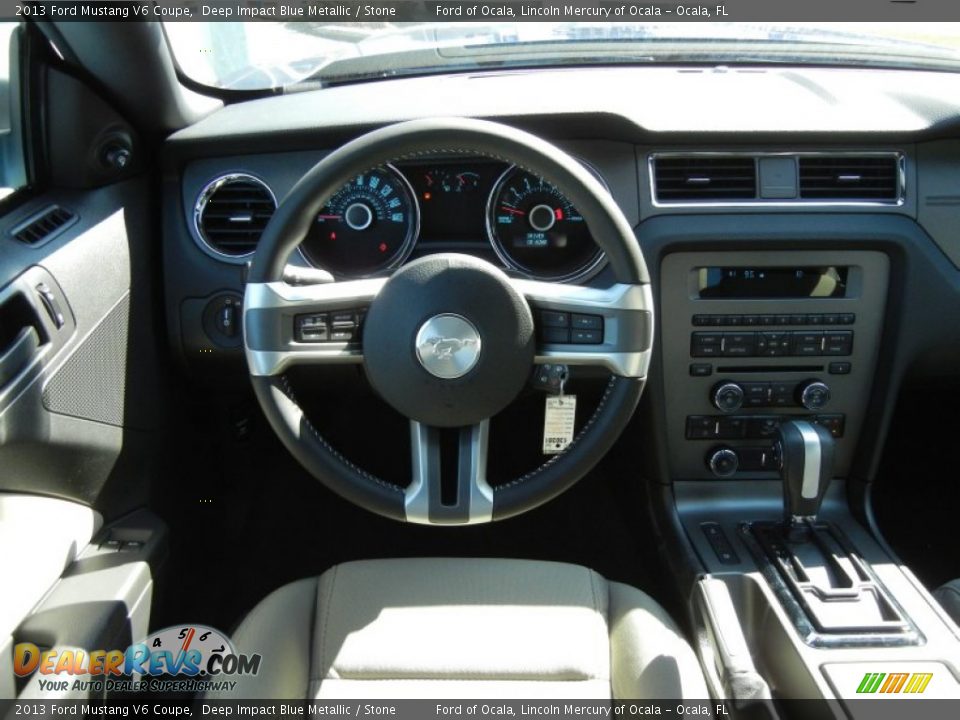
[464,628]
[948,596]
[39,538]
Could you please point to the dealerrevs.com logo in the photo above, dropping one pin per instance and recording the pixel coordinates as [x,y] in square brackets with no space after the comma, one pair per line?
[182,658]
[887,683]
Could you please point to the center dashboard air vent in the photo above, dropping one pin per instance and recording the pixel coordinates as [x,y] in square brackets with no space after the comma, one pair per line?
[231,213]
[850,178]
[704,179]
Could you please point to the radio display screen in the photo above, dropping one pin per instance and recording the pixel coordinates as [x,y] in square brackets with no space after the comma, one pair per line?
[737,283]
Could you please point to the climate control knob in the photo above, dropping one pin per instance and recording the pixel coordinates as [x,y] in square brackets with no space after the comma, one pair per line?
[814,395]
[727,397]
[723,462]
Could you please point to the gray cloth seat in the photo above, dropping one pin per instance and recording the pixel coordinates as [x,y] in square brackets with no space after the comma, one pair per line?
[471,628]
[948,595]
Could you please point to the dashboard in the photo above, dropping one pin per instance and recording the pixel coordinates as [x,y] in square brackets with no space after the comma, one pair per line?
[785,216]
[388,214]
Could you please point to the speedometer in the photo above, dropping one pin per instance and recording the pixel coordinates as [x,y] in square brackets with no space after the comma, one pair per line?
[369,226]
[535,230]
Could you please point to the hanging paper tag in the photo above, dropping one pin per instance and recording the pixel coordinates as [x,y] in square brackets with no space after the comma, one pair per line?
[558,419]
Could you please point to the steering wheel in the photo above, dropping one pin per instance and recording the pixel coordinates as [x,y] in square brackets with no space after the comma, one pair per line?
[449,340]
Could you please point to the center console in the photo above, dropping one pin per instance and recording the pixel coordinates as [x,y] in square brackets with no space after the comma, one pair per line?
[750,339]
[769,360]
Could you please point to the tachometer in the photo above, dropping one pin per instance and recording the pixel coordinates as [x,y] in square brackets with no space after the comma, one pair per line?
[369,225]
[535,230]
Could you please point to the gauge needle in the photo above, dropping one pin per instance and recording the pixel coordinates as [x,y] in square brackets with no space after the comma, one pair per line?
[512,211]
[187,640]
[328,217]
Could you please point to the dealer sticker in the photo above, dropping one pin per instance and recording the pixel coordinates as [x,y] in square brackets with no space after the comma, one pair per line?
[558,420]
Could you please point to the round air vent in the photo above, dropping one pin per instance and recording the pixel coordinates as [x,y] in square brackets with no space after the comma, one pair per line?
[231,213]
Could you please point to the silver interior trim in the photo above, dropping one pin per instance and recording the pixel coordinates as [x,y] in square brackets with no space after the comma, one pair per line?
[425,455]
[796,202]
[203,197]
[286,301]
[627,310]
[811,460]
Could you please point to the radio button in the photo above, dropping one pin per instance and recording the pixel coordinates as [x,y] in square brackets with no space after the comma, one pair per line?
[701,427]
[705,344]
[839,342]
[784,320]
[739,344]
[831,319]
[701,369]
[798,319]
[807,343]
[702,320]
[756,394]
[731,428]
[839,368]
[847,319]
[814,319]
[751,320]
[781,394]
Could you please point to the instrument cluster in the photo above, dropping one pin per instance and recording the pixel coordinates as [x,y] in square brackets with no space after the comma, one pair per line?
[382,217]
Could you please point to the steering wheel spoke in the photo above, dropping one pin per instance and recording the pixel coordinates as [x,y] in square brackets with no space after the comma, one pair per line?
[470,499]
[607,327]
[286,325]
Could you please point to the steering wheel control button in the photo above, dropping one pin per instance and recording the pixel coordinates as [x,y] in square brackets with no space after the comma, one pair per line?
[342,326]
[576,329]
[549,318]
[555,335]
[449,341]
[586,337]
[448,346]
[586,322]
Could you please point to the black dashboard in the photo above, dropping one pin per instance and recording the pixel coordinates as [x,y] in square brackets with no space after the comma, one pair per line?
[795,222]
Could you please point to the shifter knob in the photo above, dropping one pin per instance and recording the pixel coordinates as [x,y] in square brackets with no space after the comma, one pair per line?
[806,466]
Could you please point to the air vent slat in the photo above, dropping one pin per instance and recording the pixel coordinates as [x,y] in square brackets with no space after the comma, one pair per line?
[44,226]
[843,177]
[232,213]
[688,179]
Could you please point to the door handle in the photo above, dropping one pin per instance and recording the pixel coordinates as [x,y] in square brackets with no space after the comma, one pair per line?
[18,355]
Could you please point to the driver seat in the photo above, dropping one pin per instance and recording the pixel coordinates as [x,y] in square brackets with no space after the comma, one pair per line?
[464,628]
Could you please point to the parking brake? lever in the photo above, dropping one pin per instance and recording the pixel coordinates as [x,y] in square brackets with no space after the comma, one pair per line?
[806,466]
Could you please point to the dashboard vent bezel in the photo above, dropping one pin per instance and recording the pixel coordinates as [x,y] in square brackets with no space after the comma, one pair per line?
[210,245]
[898,156]
[852,191]
[737,169]
[43,226]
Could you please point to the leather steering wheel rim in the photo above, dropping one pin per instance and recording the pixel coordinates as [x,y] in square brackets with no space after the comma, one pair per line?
[628,314]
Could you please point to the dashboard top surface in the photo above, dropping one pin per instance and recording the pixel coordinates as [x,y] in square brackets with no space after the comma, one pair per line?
[641,102]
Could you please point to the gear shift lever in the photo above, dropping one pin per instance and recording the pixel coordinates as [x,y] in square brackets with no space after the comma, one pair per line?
[806,466]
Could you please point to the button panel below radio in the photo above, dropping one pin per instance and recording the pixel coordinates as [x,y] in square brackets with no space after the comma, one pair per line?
[753,427]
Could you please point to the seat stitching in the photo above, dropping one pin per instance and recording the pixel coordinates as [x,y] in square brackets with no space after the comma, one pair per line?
[597,609]
[312,635]
[323,629]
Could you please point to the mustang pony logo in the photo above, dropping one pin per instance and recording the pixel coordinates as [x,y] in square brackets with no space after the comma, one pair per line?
[444,348]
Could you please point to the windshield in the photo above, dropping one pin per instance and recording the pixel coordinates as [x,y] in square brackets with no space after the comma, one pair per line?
[263,55]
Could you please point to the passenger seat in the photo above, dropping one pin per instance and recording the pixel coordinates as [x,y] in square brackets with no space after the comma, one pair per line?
[39,538]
